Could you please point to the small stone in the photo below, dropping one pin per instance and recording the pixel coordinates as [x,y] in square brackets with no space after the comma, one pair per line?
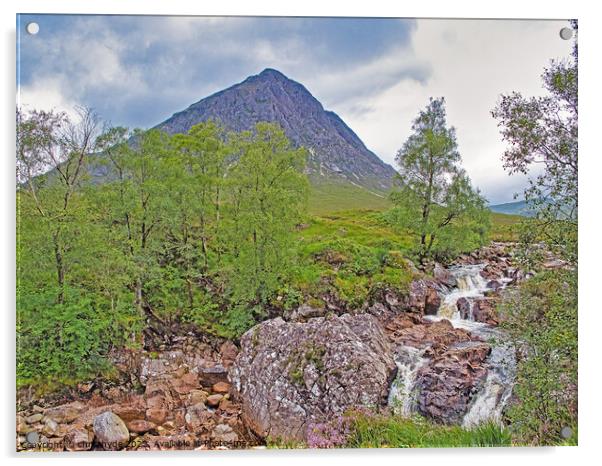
[156,415]
[22,427]
[78,440]
[111,432]
[214,400]
[34,418]
[225,404]
[224,433]
[66,413]
[197,396]
[50,427]
[38,409]
[221,387]
[130,412]
[196,416]
[140,426]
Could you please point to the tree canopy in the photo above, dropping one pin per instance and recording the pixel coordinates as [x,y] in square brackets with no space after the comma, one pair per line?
[436,200]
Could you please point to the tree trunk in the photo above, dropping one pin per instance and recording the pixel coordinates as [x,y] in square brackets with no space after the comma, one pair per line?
[60,267]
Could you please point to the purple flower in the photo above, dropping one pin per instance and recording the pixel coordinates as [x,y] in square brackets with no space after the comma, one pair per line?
[331,434]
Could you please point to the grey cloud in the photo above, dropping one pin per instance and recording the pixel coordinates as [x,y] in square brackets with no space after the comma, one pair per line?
[137,70]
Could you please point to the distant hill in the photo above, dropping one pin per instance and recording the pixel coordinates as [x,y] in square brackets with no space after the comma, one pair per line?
[512,208]
[337,155]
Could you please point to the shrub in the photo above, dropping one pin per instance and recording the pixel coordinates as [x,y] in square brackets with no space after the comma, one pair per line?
[65,343]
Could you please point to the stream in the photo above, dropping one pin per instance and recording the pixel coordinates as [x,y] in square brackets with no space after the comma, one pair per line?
[488,402]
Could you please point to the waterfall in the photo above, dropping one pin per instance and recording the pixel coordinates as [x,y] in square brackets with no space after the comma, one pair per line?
[497,390]
[402,397]
[491,398]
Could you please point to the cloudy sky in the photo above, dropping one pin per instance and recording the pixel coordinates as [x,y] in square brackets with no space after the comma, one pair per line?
[375,73]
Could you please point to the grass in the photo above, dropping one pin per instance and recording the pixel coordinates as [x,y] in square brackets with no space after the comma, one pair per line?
[504,227]
[369,430]
[328,197]
[353,251]
[380,431]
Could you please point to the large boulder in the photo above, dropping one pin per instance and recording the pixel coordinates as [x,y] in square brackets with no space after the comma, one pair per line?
[449,382]
[443,276]
[423,297]
[289,376]
[110,431]
[484,310]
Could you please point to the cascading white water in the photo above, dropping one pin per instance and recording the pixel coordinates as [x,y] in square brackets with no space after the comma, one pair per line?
[402,396]
[469,284]
[497,390]
[489,402]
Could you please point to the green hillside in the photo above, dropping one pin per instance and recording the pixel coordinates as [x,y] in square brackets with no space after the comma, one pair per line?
[327,197]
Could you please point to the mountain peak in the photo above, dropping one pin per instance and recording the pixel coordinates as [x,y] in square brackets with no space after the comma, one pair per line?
[336,153]
[271,72]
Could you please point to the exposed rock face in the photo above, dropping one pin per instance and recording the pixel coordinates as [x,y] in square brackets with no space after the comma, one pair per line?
[464,307]
[423,297]
[435,336]
[290,375]
[110,431]
[448,383]
[443,276]
[483,310]
[336,152]
[453,367]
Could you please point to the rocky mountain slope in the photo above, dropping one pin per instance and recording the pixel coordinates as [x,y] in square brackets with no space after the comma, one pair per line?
[337,155]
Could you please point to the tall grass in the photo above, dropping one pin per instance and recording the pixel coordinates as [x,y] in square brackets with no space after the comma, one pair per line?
[379,431]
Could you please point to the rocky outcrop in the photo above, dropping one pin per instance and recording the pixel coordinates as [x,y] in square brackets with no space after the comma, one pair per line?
[443,276]
[452,369]
[436,337]
[448,383]
[290,375]
[186,395]
[421,298]
[484,310]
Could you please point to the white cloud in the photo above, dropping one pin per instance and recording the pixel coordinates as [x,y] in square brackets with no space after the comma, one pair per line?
[472,63]
[45,94]
[138,71]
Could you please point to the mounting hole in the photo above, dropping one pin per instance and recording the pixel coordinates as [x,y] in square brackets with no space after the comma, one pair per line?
[33,28]
[566,33]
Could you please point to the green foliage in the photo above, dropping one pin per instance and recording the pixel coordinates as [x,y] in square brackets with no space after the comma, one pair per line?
[66,342]
[381,431]
[268,197]
[541,319]
[436,201]
[195,228]
[543,131]
[352,253]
